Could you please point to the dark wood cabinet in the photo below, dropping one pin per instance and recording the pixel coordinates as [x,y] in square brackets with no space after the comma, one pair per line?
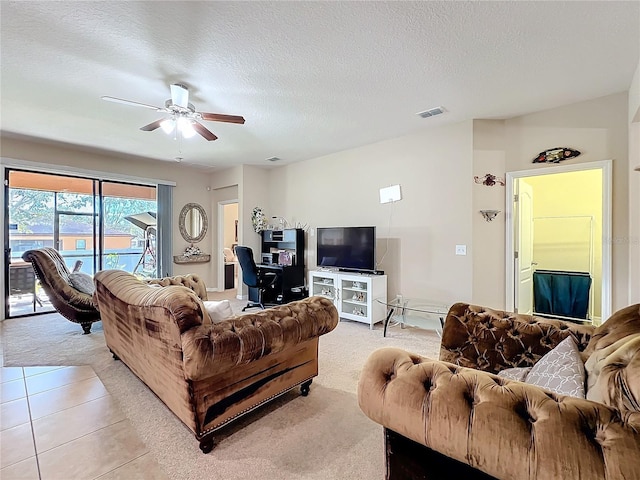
[282,252]
[289,242]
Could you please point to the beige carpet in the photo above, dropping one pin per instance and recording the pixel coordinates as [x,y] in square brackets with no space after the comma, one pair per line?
[323,436]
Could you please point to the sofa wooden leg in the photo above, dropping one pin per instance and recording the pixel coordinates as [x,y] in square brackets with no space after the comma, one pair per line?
[206,444]
[86,327]
[304,388]
[114,355]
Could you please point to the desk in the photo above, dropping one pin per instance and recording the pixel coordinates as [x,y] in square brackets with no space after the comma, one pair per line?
[290,279]
[415,312]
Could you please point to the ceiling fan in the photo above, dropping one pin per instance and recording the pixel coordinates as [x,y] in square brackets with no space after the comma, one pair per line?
[183,117]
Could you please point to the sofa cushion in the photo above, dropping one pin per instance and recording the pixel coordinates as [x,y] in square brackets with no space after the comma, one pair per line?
[218,311]
[82,282]
[622,323]
[613,374]
[560,371]
[492,340]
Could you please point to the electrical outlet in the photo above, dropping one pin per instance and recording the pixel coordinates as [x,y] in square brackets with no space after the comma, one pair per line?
[461,249]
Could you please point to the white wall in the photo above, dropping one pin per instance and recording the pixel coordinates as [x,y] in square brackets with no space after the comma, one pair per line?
[418,233]
[599,129]
[489,237]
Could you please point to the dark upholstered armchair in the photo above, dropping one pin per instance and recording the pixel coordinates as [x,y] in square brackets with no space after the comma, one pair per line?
[257,281]
[53,274]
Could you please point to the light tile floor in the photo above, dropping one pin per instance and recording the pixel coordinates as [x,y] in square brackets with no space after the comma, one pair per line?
[60,423]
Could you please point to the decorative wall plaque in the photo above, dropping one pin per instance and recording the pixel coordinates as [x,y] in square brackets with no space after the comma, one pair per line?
[556,155]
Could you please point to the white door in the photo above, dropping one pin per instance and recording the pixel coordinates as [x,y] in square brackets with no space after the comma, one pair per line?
[524,247]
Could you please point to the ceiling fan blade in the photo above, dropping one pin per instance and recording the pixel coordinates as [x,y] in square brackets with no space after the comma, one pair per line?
[153,125]
[179,95]
[129,102]
[202,130]
[219,117]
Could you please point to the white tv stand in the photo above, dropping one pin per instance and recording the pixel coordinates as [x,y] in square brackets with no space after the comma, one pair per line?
[353,294]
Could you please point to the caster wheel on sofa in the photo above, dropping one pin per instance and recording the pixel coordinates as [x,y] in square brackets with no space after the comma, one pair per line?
[304,388]
[206,444]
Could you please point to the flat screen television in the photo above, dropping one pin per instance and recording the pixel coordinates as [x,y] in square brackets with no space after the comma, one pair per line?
[347,248]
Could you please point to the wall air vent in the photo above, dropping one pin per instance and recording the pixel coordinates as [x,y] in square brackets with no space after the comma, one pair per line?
[273,159]
[432,112]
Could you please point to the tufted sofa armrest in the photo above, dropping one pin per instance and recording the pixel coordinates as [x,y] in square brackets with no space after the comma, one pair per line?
[507,429]
[211,349]
[192,281]
[492,340]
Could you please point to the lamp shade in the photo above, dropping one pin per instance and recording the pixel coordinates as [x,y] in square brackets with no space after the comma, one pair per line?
[185,126]
[167,125]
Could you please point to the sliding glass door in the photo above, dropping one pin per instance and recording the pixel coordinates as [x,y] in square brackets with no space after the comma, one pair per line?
[94,224]
[129,237]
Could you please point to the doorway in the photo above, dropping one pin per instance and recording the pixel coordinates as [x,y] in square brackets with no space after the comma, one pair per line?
[228,240]
[556,225]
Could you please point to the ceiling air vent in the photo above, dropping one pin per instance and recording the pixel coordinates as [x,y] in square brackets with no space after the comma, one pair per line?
[432,112]
[273,159]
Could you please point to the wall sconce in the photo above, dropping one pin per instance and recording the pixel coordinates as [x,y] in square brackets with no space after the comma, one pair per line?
[489,215]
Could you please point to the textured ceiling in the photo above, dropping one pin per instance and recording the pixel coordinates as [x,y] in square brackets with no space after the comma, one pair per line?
[311,78]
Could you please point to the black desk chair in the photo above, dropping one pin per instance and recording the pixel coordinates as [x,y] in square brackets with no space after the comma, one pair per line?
[253,277]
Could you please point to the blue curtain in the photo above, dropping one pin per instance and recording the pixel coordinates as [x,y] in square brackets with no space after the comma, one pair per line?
[561,293]
[165,232]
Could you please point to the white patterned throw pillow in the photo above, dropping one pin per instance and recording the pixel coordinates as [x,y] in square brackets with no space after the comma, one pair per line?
[82,282]
[561,370]
[517,373]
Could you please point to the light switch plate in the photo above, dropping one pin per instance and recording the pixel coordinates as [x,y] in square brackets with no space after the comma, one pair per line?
[461,249]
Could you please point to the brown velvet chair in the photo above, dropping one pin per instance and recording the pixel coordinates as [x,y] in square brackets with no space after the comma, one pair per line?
[72,304]
[455,418]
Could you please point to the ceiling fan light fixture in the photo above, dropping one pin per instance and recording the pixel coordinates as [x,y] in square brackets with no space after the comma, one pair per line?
[185,126]
[167,125]
[184,119]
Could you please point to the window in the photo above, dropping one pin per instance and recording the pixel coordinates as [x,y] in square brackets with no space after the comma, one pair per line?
[103,224]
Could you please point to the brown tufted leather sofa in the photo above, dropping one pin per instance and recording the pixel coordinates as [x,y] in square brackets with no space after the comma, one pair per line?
[209,374]
[454,418]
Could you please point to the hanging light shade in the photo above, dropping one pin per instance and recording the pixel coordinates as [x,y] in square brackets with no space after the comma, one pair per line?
[185,125]
[167,125]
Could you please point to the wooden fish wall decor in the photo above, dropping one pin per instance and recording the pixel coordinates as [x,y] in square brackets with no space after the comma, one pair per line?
[556,155]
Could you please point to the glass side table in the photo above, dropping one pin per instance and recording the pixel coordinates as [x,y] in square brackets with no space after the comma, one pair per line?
[415,312]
